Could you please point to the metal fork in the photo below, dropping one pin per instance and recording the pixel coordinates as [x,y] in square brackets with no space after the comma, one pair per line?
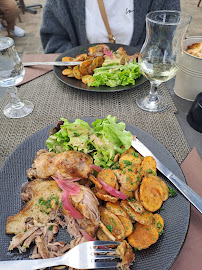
[88,255]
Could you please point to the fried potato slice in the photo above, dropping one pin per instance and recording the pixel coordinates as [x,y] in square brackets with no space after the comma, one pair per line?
[102,236]
[162,184]
[158,223]
[81,57]
[143,236]
[68,72]
[87,78]
[105,196]
[127,224]
[137,194]
[148,165]
[67,59]
[106,231]
[113,224]
[116,209]
[151,194]
[128,179]
[145,218]
[108,176]
[84,66]
[130,194]
[137,206]
[127,160]
[76,72]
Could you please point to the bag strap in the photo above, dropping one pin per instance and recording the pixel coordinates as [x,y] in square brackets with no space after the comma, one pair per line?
[105,20]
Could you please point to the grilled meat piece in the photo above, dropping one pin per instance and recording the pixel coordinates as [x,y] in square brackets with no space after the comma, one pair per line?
[68,164]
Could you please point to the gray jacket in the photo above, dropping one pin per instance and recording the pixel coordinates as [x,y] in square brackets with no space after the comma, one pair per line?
[63,22]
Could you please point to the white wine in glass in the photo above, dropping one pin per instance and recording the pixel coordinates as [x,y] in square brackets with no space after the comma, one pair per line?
[161,54]
[11,73]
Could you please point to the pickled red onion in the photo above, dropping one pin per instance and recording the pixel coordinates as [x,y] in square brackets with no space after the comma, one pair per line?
[68,206]
[112,190]
[108,53]
[70,188]
[88,237]
[95,167]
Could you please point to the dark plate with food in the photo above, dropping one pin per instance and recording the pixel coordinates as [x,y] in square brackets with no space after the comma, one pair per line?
[41,226]
[84,49]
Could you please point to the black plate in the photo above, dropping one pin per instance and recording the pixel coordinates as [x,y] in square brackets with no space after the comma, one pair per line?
[79,85]
[176,210]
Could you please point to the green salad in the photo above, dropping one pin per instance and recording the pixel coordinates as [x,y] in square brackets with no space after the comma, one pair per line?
[102,141]
[112,73]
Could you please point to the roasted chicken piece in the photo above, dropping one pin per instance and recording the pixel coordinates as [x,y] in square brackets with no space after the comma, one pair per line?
[68,164]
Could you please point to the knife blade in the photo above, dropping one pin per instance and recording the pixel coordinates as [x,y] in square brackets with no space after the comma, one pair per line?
[188,193]
[57,63]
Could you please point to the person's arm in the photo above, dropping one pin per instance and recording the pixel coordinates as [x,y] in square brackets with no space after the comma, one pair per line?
[57,29]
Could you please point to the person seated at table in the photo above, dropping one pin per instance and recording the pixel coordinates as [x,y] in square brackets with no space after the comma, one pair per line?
[67,24]
[9,13]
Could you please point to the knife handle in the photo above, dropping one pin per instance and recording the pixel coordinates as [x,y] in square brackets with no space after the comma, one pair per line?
[191,196]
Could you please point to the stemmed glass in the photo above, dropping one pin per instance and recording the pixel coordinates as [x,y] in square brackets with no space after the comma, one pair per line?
[12,73]
[161,54]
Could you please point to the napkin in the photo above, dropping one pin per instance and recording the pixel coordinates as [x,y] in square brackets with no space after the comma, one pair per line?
[36,71]
[190,256]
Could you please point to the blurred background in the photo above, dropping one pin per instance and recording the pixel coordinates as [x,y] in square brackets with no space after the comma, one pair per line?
[31,43]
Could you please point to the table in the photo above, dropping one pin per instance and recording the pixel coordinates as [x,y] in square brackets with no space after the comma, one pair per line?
[53,100]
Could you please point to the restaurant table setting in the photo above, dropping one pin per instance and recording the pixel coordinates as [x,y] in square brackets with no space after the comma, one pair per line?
[160,132]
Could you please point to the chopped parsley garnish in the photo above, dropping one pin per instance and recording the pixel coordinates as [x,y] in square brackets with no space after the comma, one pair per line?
[151,171]
[172,192]
[109,227]
[127,162]
[135,154]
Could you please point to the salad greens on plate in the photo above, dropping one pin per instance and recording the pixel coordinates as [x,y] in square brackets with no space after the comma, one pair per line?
[102,141]
[112,73]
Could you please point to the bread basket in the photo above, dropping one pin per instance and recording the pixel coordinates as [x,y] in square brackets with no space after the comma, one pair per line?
[188,82]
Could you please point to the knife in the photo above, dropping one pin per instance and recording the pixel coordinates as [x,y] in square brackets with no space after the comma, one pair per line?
[188,193]
[57,63]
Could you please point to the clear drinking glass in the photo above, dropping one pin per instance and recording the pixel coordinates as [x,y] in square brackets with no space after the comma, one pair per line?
[11,73]
[161,53]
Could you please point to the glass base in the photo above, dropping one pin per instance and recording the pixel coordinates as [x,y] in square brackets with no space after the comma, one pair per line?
[151,105]
[22,109]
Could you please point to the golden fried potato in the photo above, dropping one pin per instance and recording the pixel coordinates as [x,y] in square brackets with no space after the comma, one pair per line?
[113,224]
[87,78]
[116,209]
[127,224]
[128,179]
[81,57]
[151,194]
[84,66]
[127,160]
[158,223]
[68,72]
[137,206]
[145,218]
[143,236]
[137,194]
[67,59]
[107,230]
[148,165]
[102,236]
[162,184]
[76,72]
[108,176]
[130,194]
[105,196]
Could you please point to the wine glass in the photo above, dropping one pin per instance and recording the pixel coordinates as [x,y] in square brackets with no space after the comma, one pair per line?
[161,53]
[12,73]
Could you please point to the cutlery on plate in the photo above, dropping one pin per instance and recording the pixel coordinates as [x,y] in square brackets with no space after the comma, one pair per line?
[82,256]
[55,63]
[188,193]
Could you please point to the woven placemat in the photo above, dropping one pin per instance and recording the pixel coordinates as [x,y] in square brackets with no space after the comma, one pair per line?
[53,99]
